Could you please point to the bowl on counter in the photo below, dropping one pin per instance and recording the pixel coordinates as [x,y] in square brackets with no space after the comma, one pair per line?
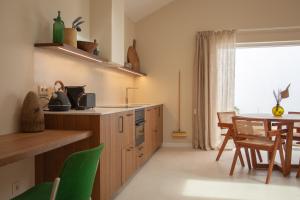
[87,46]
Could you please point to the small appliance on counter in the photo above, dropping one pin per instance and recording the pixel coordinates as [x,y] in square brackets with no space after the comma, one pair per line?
[79,99]
[59,100]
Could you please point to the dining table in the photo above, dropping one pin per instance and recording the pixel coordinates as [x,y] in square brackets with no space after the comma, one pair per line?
[289,120]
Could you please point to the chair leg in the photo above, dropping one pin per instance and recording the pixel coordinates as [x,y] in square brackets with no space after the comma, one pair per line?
[234,160]
[259,156]
[271,164]
[282,158]
[253,158]
[227,137]
[298,173]
[248,158]
[241,158]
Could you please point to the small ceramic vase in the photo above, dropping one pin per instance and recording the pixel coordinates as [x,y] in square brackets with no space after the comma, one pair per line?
[277,110]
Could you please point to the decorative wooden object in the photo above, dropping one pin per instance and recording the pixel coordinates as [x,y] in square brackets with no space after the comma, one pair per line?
[133,58]
[18,146]
[87,46]
[70,50]
[32,116]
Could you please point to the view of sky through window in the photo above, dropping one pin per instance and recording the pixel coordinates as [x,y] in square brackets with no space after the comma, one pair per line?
[259,71]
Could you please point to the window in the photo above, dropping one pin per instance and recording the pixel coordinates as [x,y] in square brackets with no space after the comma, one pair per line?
[259,71]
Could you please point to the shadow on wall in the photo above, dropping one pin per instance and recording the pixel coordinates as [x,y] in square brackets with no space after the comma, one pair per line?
[13,103]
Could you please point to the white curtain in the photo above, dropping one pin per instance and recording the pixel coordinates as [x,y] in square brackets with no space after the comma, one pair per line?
[213,85]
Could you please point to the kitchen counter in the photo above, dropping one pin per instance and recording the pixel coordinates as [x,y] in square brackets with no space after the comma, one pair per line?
[103,110]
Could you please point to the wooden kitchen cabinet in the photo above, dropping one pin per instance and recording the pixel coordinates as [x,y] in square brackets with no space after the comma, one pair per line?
[160,126]
[106,158]
[148,133]
[128,160]
[153,130]
[140,155]
[120,158]
[117,136]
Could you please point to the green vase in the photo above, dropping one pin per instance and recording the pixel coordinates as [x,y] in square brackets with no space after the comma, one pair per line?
[277,110]
[58,30]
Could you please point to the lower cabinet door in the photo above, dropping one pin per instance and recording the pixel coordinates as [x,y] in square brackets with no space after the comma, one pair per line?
[128,163]
[116,152]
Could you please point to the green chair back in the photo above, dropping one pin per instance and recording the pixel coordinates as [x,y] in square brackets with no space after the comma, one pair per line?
[78,175]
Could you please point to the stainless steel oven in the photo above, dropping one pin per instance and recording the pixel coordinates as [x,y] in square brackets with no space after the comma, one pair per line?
[139,127]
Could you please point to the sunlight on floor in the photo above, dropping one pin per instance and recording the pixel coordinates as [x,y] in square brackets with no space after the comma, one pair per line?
[230,190]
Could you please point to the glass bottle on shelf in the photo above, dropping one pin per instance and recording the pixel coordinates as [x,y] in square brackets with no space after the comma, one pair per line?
[58,30]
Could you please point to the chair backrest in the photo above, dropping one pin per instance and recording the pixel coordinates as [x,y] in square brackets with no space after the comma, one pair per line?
[245,127]
[226,117]
[78,175]
[294,113]
[296,124]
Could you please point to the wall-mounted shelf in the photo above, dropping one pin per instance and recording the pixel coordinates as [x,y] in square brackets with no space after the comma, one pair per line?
[68,49]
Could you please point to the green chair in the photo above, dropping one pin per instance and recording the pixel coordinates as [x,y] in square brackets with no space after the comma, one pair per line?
[75,182]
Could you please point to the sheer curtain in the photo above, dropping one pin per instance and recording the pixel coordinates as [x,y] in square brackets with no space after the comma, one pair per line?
[213,85]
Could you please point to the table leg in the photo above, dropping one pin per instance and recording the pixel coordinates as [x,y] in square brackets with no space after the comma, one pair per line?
[288,149]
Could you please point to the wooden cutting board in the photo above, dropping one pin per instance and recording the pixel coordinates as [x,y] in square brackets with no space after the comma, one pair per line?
[133,58]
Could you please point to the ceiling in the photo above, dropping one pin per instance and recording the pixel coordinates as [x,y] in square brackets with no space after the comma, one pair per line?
[138,9]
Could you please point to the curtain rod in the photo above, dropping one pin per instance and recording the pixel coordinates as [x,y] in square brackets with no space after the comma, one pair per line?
[270,29]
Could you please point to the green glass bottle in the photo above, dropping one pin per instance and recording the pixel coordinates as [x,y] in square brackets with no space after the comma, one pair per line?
[58,30]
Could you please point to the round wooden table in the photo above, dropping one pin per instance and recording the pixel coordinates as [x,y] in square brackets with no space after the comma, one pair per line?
[289,120]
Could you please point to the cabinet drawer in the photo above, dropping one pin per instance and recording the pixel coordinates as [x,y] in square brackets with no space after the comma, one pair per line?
[140,155]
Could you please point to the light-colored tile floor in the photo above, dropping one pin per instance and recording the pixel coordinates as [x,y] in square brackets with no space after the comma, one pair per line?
[187,174]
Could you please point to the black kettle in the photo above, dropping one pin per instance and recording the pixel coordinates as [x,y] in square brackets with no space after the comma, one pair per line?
[59,100]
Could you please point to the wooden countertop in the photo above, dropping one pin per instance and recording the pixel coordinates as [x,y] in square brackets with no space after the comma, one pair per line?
[104,110]
[17,146]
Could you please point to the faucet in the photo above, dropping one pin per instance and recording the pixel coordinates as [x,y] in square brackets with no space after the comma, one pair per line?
[126,97]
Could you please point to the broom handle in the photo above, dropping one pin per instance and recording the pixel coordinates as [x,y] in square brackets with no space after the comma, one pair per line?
[179,103]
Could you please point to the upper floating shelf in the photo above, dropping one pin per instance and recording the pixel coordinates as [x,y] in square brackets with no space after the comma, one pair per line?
[87,56]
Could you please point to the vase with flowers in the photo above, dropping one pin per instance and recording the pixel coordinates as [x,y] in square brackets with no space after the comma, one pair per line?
[278,110]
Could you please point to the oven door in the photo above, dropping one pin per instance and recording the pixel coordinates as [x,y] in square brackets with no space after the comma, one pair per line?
[139,133]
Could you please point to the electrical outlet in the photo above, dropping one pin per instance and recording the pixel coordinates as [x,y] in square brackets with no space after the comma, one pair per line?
[16,188]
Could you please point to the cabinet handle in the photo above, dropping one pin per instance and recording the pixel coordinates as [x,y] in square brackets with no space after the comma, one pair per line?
[128,149]
[120,124]
[128,115]
[131,147]
[140,148]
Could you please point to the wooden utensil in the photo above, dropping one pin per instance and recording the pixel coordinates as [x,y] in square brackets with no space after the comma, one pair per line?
[133,58]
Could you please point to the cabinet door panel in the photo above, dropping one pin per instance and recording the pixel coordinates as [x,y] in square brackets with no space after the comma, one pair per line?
[160,125]
[128,160]
[116,151]
[148,133]
[105,169]
[129,129]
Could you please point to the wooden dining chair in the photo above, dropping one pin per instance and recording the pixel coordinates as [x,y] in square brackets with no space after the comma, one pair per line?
[253,134]
[296,133]
[225,122]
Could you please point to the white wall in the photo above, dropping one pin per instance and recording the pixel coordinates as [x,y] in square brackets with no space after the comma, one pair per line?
[23,66]
[129,35]
[166,41]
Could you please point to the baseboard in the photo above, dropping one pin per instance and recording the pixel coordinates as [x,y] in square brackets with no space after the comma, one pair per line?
[168,144]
